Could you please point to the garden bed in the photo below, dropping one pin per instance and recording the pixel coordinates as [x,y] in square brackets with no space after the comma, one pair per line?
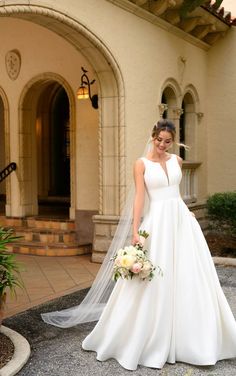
[221,245]
[6,350]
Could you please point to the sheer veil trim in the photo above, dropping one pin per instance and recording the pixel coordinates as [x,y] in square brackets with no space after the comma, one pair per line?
[90,309]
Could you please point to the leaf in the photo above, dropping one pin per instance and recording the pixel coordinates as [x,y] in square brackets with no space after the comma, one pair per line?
[218,3]
[188,6]
[9,267]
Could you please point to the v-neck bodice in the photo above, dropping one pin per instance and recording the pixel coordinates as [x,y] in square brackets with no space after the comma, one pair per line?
[156,178]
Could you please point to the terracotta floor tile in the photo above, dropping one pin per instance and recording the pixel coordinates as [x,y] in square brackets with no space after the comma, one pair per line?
[47,278]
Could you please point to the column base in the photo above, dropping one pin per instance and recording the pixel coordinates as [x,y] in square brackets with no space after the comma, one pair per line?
[104,230]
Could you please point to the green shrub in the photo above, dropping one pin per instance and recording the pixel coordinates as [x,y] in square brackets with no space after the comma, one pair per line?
[221,209]
[9,267]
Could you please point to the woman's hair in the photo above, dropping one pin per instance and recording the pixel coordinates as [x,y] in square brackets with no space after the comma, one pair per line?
[168,126]
[164,125]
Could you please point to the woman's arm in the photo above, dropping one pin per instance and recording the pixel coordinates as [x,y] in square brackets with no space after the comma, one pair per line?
[139,198]
[180,160]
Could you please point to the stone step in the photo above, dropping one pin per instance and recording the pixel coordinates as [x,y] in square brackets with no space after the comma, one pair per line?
[10,221]
[44,235]
[55,224]
[42,249]
[38,222]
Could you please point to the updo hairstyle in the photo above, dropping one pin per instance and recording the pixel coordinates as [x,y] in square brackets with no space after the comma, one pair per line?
[164,125]
[168,126]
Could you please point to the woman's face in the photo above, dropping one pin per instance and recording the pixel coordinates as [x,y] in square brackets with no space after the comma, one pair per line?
[163,141]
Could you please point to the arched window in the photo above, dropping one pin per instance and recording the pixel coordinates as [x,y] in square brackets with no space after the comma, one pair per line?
[164,101]
[187,132]
[182,138]
[169,97]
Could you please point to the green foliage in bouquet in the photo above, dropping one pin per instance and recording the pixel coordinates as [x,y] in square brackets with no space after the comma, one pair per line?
[221,209]
[9,267]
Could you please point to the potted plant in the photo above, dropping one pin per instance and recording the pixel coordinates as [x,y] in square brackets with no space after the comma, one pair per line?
[9,268]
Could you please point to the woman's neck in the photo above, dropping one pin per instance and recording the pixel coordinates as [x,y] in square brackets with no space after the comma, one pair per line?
[158,157]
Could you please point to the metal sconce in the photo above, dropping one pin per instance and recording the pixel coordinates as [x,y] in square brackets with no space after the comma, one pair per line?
[84,91]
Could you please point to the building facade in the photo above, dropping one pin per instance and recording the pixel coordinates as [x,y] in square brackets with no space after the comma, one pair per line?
[147,63]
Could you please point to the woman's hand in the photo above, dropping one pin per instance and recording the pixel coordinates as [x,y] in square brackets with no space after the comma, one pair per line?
[135,239]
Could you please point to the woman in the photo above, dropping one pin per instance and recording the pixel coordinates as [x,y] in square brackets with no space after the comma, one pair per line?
[184,315]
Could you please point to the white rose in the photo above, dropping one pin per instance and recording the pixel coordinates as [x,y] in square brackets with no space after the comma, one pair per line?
[144,273]
[140,253]
[131,250]
[147,265]
[127,261]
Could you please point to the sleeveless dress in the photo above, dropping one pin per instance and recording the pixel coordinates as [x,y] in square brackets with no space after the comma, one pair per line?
[180,316]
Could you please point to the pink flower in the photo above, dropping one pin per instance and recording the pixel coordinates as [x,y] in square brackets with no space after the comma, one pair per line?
[136,268]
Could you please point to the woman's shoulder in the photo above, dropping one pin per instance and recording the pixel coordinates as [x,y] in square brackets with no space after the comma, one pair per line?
[140,160]
[179,159]
[139,164]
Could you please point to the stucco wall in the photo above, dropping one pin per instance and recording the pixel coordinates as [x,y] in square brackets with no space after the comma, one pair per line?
[221,122]
[147,55]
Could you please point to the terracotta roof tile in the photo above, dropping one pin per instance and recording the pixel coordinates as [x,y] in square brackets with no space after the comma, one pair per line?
[219,12]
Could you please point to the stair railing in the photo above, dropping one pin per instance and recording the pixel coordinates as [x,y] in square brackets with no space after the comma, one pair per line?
[7,171]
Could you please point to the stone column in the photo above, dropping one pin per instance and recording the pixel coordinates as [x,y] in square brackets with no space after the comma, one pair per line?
[111,178]
[105,227]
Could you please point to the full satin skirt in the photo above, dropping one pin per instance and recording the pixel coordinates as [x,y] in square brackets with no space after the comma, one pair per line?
[180,316]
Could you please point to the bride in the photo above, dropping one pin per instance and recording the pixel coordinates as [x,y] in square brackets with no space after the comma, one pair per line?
[181,316]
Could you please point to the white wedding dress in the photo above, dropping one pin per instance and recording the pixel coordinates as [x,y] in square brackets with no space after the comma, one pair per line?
[180,316]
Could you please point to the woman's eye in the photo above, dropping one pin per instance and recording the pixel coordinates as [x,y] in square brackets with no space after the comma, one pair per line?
[166,141]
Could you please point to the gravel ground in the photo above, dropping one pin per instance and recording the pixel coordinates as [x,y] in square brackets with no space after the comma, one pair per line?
[6,350]
[57,352]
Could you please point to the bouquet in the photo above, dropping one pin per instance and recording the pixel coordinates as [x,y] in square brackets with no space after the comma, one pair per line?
[132,261]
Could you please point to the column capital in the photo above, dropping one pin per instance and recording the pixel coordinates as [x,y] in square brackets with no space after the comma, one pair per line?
[162,108]
[178,112]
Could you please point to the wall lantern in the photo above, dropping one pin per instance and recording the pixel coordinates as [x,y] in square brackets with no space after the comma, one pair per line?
[84,91]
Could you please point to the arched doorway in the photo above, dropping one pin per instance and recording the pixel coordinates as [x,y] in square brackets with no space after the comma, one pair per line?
[5,186]
[2,157]
[46,125]
[112,194]
[53,150]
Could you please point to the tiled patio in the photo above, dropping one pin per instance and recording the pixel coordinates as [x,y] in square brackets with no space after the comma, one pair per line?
[46,278]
